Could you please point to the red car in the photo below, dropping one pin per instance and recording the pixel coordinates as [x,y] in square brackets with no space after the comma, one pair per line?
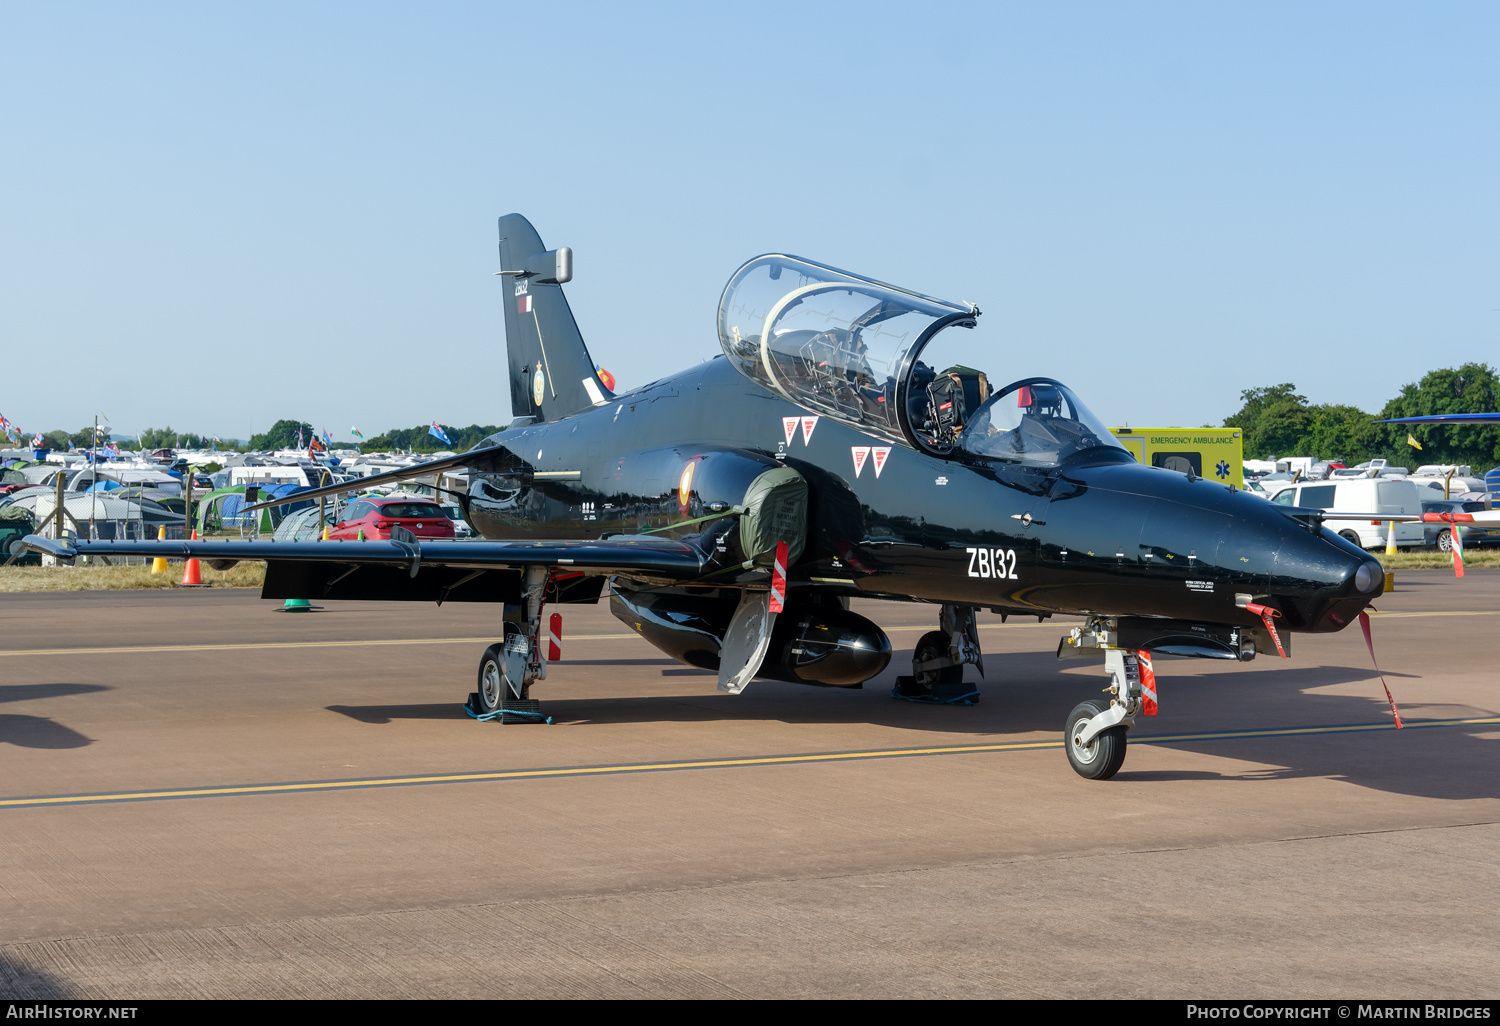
[376,517]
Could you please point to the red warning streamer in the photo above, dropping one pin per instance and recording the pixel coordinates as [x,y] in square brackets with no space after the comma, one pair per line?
[1266,613]
[778,579]
[1148,682]
[1364,623]
[554,638]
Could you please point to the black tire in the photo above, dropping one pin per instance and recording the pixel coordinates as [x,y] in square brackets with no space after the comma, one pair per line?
[931,645]
[492,688]
[1103,757]
[1445,540]
[1352,538]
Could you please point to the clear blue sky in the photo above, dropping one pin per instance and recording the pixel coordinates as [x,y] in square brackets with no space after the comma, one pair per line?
[215,216]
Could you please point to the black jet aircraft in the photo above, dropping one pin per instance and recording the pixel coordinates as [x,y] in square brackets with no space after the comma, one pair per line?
[734,509]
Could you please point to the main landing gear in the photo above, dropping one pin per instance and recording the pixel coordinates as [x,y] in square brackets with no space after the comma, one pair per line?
[937,662]
[509,667]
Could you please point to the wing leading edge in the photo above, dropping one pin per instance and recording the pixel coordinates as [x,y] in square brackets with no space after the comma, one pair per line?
[408,571]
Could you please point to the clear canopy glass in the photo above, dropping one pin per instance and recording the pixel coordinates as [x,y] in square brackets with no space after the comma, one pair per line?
[833,342]
[1040,423]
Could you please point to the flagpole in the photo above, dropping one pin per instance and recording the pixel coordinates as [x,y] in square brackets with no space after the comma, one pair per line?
[94,479]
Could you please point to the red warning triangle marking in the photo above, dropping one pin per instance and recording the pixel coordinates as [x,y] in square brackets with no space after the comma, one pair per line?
[880,454]
[861,453]
[790,424]
[808,423]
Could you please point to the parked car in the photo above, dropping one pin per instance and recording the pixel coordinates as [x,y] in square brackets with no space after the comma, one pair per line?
[1376,496]
[1439,534]
[375,516]
[461,528]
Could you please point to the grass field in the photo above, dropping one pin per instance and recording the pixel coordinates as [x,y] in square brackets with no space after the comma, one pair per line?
[121,578]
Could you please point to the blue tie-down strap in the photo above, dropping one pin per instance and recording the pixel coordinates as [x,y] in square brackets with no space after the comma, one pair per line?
[529,715]
[936,697]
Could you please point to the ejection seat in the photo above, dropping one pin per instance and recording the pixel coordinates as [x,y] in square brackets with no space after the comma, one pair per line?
[952,398]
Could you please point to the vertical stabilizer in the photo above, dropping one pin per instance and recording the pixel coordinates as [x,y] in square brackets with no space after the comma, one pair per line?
[551,374]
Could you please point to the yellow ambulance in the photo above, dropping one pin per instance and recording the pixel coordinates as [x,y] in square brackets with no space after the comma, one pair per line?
[1214,453]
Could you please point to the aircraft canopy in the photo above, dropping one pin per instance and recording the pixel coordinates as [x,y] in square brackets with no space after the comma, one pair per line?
[834,342]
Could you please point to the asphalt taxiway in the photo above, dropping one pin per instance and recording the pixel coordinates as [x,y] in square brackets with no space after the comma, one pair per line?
[204,796]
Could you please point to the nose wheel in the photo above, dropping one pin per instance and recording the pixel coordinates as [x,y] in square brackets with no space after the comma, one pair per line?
[1100,757]
[1094,734]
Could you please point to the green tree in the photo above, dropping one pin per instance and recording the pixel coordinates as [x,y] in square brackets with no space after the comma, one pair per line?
[283,435]
[418,439]
[1339,432]
[1273,421]
[1472,388]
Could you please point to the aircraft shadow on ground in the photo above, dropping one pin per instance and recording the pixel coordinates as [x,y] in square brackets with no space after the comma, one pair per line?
[1033,697]
[23,982]
[26,731]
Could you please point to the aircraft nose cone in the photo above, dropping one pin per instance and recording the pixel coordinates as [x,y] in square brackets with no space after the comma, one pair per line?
[1369,579]
[1322,581]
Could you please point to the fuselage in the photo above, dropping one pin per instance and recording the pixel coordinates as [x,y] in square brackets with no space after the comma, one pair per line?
[1108,536]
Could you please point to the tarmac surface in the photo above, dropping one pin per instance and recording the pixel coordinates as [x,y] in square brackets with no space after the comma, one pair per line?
[206,797]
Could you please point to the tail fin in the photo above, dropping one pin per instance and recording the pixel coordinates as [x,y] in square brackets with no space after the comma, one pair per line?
[551,374]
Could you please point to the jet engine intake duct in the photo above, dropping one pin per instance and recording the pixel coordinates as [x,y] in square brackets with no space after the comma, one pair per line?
[823,645]
[775,510]
[770,498]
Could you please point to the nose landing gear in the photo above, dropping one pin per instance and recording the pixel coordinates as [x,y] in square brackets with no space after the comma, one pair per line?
[1094,733]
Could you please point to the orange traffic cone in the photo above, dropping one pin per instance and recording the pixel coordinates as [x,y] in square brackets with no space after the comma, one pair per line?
[159,564]
[192,577]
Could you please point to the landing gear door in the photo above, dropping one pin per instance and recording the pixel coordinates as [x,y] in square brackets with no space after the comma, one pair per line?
[835,343]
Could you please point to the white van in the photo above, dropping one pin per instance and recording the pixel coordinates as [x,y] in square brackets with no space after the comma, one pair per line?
[1361,495]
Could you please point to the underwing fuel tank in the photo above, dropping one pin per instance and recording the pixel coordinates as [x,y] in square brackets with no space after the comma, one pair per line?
[822,645]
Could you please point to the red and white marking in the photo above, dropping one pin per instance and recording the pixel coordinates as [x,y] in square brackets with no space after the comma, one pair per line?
[1148,682]
[523,304]
[879,455]
[808,423]
[789,424]
[554,638]
[778,579]
[861,453]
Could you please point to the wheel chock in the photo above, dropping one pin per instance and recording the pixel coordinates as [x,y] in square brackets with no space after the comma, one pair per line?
[512,710]
[908,690]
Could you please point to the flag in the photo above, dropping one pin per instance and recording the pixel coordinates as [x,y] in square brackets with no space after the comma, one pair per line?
[357,433]
[4,424]
[437,432]
[36,440]
[606,377]
[314,446]
[327,438]
[1411,441]
[300,441]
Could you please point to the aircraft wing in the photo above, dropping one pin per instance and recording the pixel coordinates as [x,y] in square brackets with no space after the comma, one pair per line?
[663,556]
[1470,419]
[488,571]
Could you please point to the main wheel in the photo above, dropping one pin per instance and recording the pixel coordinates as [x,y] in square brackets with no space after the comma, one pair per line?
[1352,538]
[1102,757]
[492,686]
[1445,541]
[932,645]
